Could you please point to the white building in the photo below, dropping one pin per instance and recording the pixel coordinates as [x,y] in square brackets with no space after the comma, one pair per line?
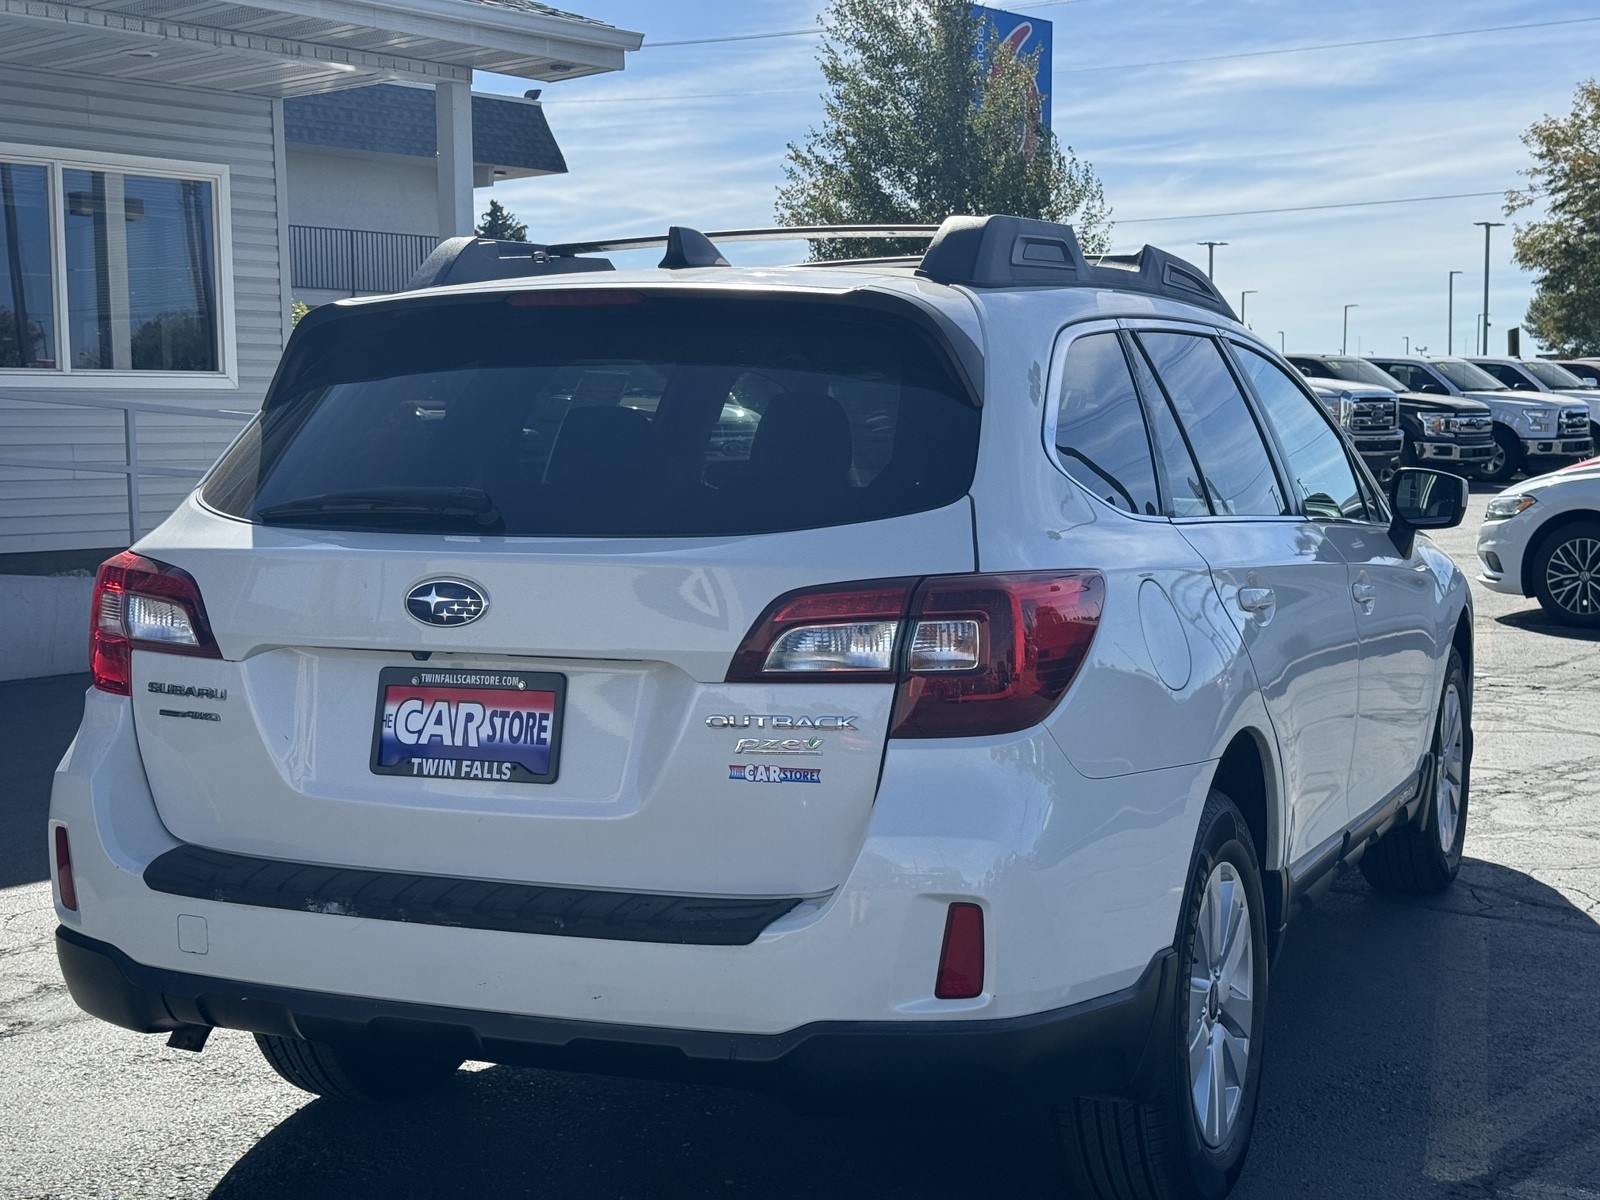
[146,210]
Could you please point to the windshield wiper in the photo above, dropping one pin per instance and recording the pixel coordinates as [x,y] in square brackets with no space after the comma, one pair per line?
[463,508]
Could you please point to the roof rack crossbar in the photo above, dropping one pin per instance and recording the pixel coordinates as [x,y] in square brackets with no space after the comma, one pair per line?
[994,251]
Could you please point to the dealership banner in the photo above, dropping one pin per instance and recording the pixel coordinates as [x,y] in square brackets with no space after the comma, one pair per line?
[1016,34]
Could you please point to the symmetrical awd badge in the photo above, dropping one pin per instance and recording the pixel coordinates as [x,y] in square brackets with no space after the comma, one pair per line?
[446,602]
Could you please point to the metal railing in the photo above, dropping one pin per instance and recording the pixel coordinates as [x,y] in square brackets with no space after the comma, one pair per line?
[354,260]
[131,468]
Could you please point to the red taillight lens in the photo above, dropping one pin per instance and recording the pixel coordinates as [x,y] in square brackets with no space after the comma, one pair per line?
[972,654]
[64,882]
[961,956]
[146,605]
[1033,631]
[843,633]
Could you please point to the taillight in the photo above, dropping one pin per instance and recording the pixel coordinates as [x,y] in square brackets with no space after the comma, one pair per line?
[66,887]
[971,654]
[141,604]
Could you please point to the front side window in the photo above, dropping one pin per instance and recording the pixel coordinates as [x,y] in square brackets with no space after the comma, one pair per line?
[1318,465]
[1414,378]
[1237,470]
[27,282]
[109,270]
[1100,433]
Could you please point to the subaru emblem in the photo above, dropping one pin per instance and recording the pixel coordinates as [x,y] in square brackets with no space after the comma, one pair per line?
[446,602]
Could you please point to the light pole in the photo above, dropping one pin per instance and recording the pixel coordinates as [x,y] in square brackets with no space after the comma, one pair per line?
[1211,257]
[1344,342]
[1408,344]
[1242,295]
[1282,348]
[1450,319]
[1487,226]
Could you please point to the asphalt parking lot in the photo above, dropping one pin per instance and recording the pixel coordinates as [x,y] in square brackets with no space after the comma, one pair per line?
[1436,1049]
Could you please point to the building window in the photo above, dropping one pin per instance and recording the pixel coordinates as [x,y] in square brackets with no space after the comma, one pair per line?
[112,268]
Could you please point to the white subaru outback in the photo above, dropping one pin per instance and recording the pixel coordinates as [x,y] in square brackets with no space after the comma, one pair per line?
[939,674]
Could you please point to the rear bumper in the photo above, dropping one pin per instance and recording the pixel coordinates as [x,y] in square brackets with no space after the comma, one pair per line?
[1103,1045]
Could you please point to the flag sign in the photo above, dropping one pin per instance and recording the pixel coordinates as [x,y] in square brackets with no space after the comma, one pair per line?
[1019,35]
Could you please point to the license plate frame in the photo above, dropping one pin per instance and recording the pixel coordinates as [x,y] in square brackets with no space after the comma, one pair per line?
[510,707]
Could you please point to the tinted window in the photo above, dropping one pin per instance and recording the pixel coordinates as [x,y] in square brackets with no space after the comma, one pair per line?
[1238,475]
[1468,377]
[1413,377]
[1318,465]
[594,413]
[1351,370]
[1100,432]
[1186,492]
[1506,374]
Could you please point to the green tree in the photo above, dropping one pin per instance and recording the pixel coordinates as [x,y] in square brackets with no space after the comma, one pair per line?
[1564,247]
[917,127]
[501,223]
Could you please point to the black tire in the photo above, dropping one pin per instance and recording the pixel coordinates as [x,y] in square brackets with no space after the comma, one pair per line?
[367,1073]
[1156,1149]
[1414,859]
[1507,460]
[1566,574]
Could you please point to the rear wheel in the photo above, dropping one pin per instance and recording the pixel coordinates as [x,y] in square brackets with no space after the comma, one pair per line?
[1188,1141]
[1566,574]
[1422,859]
[373,1074]
[1506,460]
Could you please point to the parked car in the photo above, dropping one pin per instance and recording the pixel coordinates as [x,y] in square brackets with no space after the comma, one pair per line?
[1369,417]
[957,743]
[1450,432]
[1533,431]
[1539,375]
[1541,538]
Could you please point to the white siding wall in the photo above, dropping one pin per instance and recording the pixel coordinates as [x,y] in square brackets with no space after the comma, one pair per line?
[363,191]
[67,510]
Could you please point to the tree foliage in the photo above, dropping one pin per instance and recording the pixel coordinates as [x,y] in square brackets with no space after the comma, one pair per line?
[1564,247]
[917,127]
[501,223]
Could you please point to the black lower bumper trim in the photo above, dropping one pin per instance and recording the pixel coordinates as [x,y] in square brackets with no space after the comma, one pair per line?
[205,874]
[1097,1047]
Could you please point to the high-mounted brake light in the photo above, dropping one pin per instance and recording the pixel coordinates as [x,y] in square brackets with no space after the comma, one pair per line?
[971,654]
[142,604]
[586,298]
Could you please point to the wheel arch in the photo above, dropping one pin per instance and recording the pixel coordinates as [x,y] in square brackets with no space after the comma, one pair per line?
[1247,774]
[1536,540]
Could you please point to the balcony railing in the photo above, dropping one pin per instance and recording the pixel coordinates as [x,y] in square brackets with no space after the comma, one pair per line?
[354,260]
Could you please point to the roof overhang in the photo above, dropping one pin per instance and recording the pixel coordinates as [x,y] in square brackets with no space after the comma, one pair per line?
[301,47]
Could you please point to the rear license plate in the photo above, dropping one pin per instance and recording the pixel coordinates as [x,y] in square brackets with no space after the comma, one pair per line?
[493,726]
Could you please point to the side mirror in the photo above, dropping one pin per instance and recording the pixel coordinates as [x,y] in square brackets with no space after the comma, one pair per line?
[1432,389]
[1423,499]
[1590,381]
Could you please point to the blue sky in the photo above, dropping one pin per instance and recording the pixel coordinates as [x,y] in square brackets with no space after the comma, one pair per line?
[696,135]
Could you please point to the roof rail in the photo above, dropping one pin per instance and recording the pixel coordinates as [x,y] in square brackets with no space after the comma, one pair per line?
[1002,251]
[994,251]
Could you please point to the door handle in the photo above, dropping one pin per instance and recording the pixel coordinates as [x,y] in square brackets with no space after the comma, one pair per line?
[1256,599]
[1365,595]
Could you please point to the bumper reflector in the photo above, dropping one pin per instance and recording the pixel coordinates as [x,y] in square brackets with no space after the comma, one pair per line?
[961,957]
[64,883]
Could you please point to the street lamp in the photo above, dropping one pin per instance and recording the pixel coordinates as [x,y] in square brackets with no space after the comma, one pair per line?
[1408,344]
[1450,320]
[1242,295]
[1487,226]
[1211,257]
[1282,349]
[1344,342]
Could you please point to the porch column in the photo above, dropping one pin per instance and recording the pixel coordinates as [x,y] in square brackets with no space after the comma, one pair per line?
[453,120]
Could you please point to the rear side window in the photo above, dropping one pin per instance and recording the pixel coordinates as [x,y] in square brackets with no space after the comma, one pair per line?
[1100,433]
[1236,468]
[1318,465]
[554,414]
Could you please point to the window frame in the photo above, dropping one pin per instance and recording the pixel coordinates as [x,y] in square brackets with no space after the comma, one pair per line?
[1269,438]
[1363,477]
[1066,337]
[56,163]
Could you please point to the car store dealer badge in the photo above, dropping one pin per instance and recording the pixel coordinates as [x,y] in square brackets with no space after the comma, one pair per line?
[494,726]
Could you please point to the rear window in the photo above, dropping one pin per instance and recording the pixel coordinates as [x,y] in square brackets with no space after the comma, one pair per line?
[605,413]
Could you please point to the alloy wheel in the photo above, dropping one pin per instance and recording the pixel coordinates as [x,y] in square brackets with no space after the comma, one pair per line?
[1573,576]
[1221,1003]
[1451,768]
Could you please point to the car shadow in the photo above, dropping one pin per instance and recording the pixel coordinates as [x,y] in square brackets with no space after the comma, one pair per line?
[40,718]
[1440,1048]
[1536,621]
